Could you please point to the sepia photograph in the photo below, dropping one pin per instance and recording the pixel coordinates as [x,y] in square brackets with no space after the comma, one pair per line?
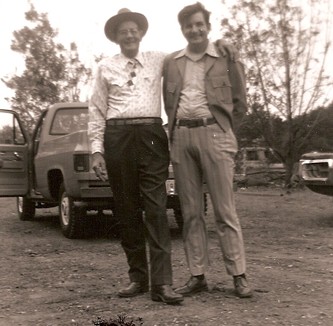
[166,163]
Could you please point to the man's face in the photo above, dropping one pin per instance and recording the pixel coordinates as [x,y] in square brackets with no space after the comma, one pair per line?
[129,37]
[196,30]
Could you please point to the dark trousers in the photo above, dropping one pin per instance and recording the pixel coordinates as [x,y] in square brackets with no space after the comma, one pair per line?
[137,160]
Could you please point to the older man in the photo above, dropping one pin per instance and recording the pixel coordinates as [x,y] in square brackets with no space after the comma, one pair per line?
[129,144]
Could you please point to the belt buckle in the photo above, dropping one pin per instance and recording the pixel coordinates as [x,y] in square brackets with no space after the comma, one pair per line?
[192,123]
[135,121]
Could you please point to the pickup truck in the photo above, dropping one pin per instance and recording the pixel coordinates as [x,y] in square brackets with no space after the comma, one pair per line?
[52,168]
[257,165]
[316,172]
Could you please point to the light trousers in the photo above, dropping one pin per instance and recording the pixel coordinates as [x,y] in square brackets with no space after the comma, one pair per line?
[207,153]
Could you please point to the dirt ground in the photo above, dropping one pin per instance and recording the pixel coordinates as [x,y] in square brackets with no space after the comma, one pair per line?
[47,279]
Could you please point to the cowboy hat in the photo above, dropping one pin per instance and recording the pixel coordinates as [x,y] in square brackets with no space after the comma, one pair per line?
[124,14]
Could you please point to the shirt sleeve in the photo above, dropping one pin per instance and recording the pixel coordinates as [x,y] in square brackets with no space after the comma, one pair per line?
[97,112]
[158,56]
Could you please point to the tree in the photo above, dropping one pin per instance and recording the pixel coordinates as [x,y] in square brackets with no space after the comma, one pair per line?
[321,123]
[77,75]
[52,74]
[284,48]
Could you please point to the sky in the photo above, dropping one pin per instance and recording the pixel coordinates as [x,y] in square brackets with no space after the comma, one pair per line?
[82,22]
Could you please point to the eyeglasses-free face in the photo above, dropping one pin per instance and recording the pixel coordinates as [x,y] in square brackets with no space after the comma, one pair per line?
[195,30]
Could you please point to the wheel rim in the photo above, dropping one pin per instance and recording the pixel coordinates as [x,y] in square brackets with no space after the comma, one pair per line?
[20,204]
[65,210]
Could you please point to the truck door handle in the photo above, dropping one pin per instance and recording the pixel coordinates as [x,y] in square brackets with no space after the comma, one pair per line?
[17,156]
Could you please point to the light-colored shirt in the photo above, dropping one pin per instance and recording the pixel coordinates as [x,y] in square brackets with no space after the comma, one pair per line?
[124,88]
[193,102]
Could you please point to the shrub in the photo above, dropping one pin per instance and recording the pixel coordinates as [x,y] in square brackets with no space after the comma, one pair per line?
[121,320]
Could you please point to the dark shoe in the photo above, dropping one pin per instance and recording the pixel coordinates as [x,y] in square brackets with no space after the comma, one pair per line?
[193,285]
[135,288]
[241,287]
[165,294]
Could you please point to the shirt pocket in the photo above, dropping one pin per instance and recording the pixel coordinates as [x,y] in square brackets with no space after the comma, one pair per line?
[119,82]
[119,86]
[222,89]
[148,81]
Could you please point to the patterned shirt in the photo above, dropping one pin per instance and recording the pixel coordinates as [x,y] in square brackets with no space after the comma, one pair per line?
[124,88]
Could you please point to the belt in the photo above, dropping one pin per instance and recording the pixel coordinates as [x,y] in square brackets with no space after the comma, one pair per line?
[133,121]
[192,123]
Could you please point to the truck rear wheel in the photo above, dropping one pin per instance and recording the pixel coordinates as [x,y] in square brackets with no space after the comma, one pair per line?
[72,219]
[25,208]
[179,218]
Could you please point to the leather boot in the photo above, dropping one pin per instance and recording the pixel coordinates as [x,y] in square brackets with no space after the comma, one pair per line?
[193,285]
[241,287]
[135,288]
[165,294]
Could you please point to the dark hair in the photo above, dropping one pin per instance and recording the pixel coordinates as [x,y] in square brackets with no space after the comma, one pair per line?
[188,11]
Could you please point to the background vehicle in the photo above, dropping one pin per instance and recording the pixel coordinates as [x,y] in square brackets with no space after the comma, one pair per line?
[316,172]
[53,168]
[257,165]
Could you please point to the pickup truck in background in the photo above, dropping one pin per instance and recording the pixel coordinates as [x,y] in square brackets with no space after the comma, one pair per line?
[257,165]
[316,172]
[53,168]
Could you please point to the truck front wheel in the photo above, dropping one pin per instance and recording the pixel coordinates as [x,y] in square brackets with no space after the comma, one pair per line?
[72,219]
[25,208]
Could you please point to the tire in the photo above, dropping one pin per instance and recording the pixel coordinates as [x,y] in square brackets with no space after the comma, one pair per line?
[25,208]
[72,219]
[179,218]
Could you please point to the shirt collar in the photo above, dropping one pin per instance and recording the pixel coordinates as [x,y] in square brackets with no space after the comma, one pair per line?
[139,58]
[210,50]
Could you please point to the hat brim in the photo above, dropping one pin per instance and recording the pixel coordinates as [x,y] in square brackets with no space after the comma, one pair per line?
[111,25]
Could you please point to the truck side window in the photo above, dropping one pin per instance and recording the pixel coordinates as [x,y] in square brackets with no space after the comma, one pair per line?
[10,130]
[18,135]
[252,155]
[67,120]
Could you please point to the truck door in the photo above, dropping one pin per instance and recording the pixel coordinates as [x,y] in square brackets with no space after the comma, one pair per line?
[13,156]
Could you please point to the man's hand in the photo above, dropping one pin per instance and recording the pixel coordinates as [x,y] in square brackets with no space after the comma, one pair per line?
[98,165]
[227,49]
